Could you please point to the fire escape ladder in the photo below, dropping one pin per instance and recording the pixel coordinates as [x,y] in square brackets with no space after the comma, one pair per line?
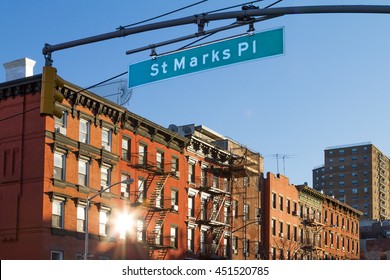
[155,232]
[218,236]
[147,184]
[162,253]
[159,186]
[215,213]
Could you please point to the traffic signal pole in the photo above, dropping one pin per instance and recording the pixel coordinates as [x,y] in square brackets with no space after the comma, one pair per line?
[202,19]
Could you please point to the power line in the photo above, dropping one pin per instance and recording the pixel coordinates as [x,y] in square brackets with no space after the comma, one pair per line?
[163,15]
[7,118]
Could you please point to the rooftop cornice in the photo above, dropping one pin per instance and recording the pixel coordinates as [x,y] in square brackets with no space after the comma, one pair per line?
[20,87]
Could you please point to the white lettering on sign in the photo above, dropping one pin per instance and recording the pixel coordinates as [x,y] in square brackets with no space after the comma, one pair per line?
[208,58]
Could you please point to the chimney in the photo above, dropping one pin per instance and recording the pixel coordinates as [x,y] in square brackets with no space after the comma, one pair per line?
[19,69]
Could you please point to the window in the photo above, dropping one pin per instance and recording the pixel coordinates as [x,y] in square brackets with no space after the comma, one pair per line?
[202,242]
[106,139]
[191,210]
[81,218]
[288,229]
[160,195]
[124,187]
[159,234]
[105,179]
[175,167]
[175,200]
[226,185]
[226,217]
[235,245]
[281,203]
[246,212]
[160,161]
[235,209]
[273,227]
[288,207]
[354,191]
[84,131]
[280,228]
[59,166]
[204,177]
[174,238]
[142,154]
[60,123]
[246,244]
[190,239]
[325,238]
[274,200]
[58,212]
[203,209]
[365,190]
[295,233]
[141,190]
[215,182]
[83,172]
[140,231]
[56,255]
[125,149]
[191,173]
[103,222]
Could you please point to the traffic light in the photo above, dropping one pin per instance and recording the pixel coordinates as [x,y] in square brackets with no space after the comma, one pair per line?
[49,92]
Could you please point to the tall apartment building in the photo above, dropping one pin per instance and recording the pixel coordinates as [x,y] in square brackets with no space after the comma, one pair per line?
[359,175]
[302,223]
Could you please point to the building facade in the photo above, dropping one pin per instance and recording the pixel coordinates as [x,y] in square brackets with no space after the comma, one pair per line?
[302,223]
[50,167]
[223,196]
[358,175]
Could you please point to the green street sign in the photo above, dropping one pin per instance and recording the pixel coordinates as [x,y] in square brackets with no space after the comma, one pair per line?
[208,56]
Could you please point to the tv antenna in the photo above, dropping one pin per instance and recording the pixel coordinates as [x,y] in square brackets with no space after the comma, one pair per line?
[283,157]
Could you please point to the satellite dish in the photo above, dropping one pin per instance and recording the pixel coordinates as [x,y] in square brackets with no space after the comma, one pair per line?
[173,128]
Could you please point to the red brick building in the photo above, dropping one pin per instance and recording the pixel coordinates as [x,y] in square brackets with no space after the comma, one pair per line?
[303,223]
[49,167]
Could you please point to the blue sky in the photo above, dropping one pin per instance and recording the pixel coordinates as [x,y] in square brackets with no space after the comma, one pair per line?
[330,87]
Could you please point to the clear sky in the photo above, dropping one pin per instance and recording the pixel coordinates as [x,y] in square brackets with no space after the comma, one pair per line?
[330,87]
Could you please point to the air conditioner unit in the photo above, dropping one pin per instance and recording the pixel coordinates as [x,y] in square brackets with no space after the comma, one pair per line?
[107,148]
[235,251]
[125,194]
[175,207]
[177,173]
[281,235]
[61,130]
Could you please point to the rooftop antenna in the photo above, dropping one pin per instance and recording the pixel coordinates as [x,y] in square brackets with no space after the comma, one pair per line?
[283,157]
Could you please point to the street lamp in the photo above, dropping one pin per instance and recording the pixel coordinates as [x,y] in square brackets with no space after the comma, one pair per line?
[126,181]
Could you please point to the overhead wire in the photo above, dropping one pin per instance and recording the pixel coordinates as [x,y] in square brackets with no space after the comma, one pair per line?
[163,15]
[223,9]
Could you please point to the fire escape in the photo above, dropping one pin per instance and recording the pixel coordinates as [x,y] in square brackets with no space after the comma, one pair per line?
[245,169]
[311,241]
[150,196]
[214,213]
